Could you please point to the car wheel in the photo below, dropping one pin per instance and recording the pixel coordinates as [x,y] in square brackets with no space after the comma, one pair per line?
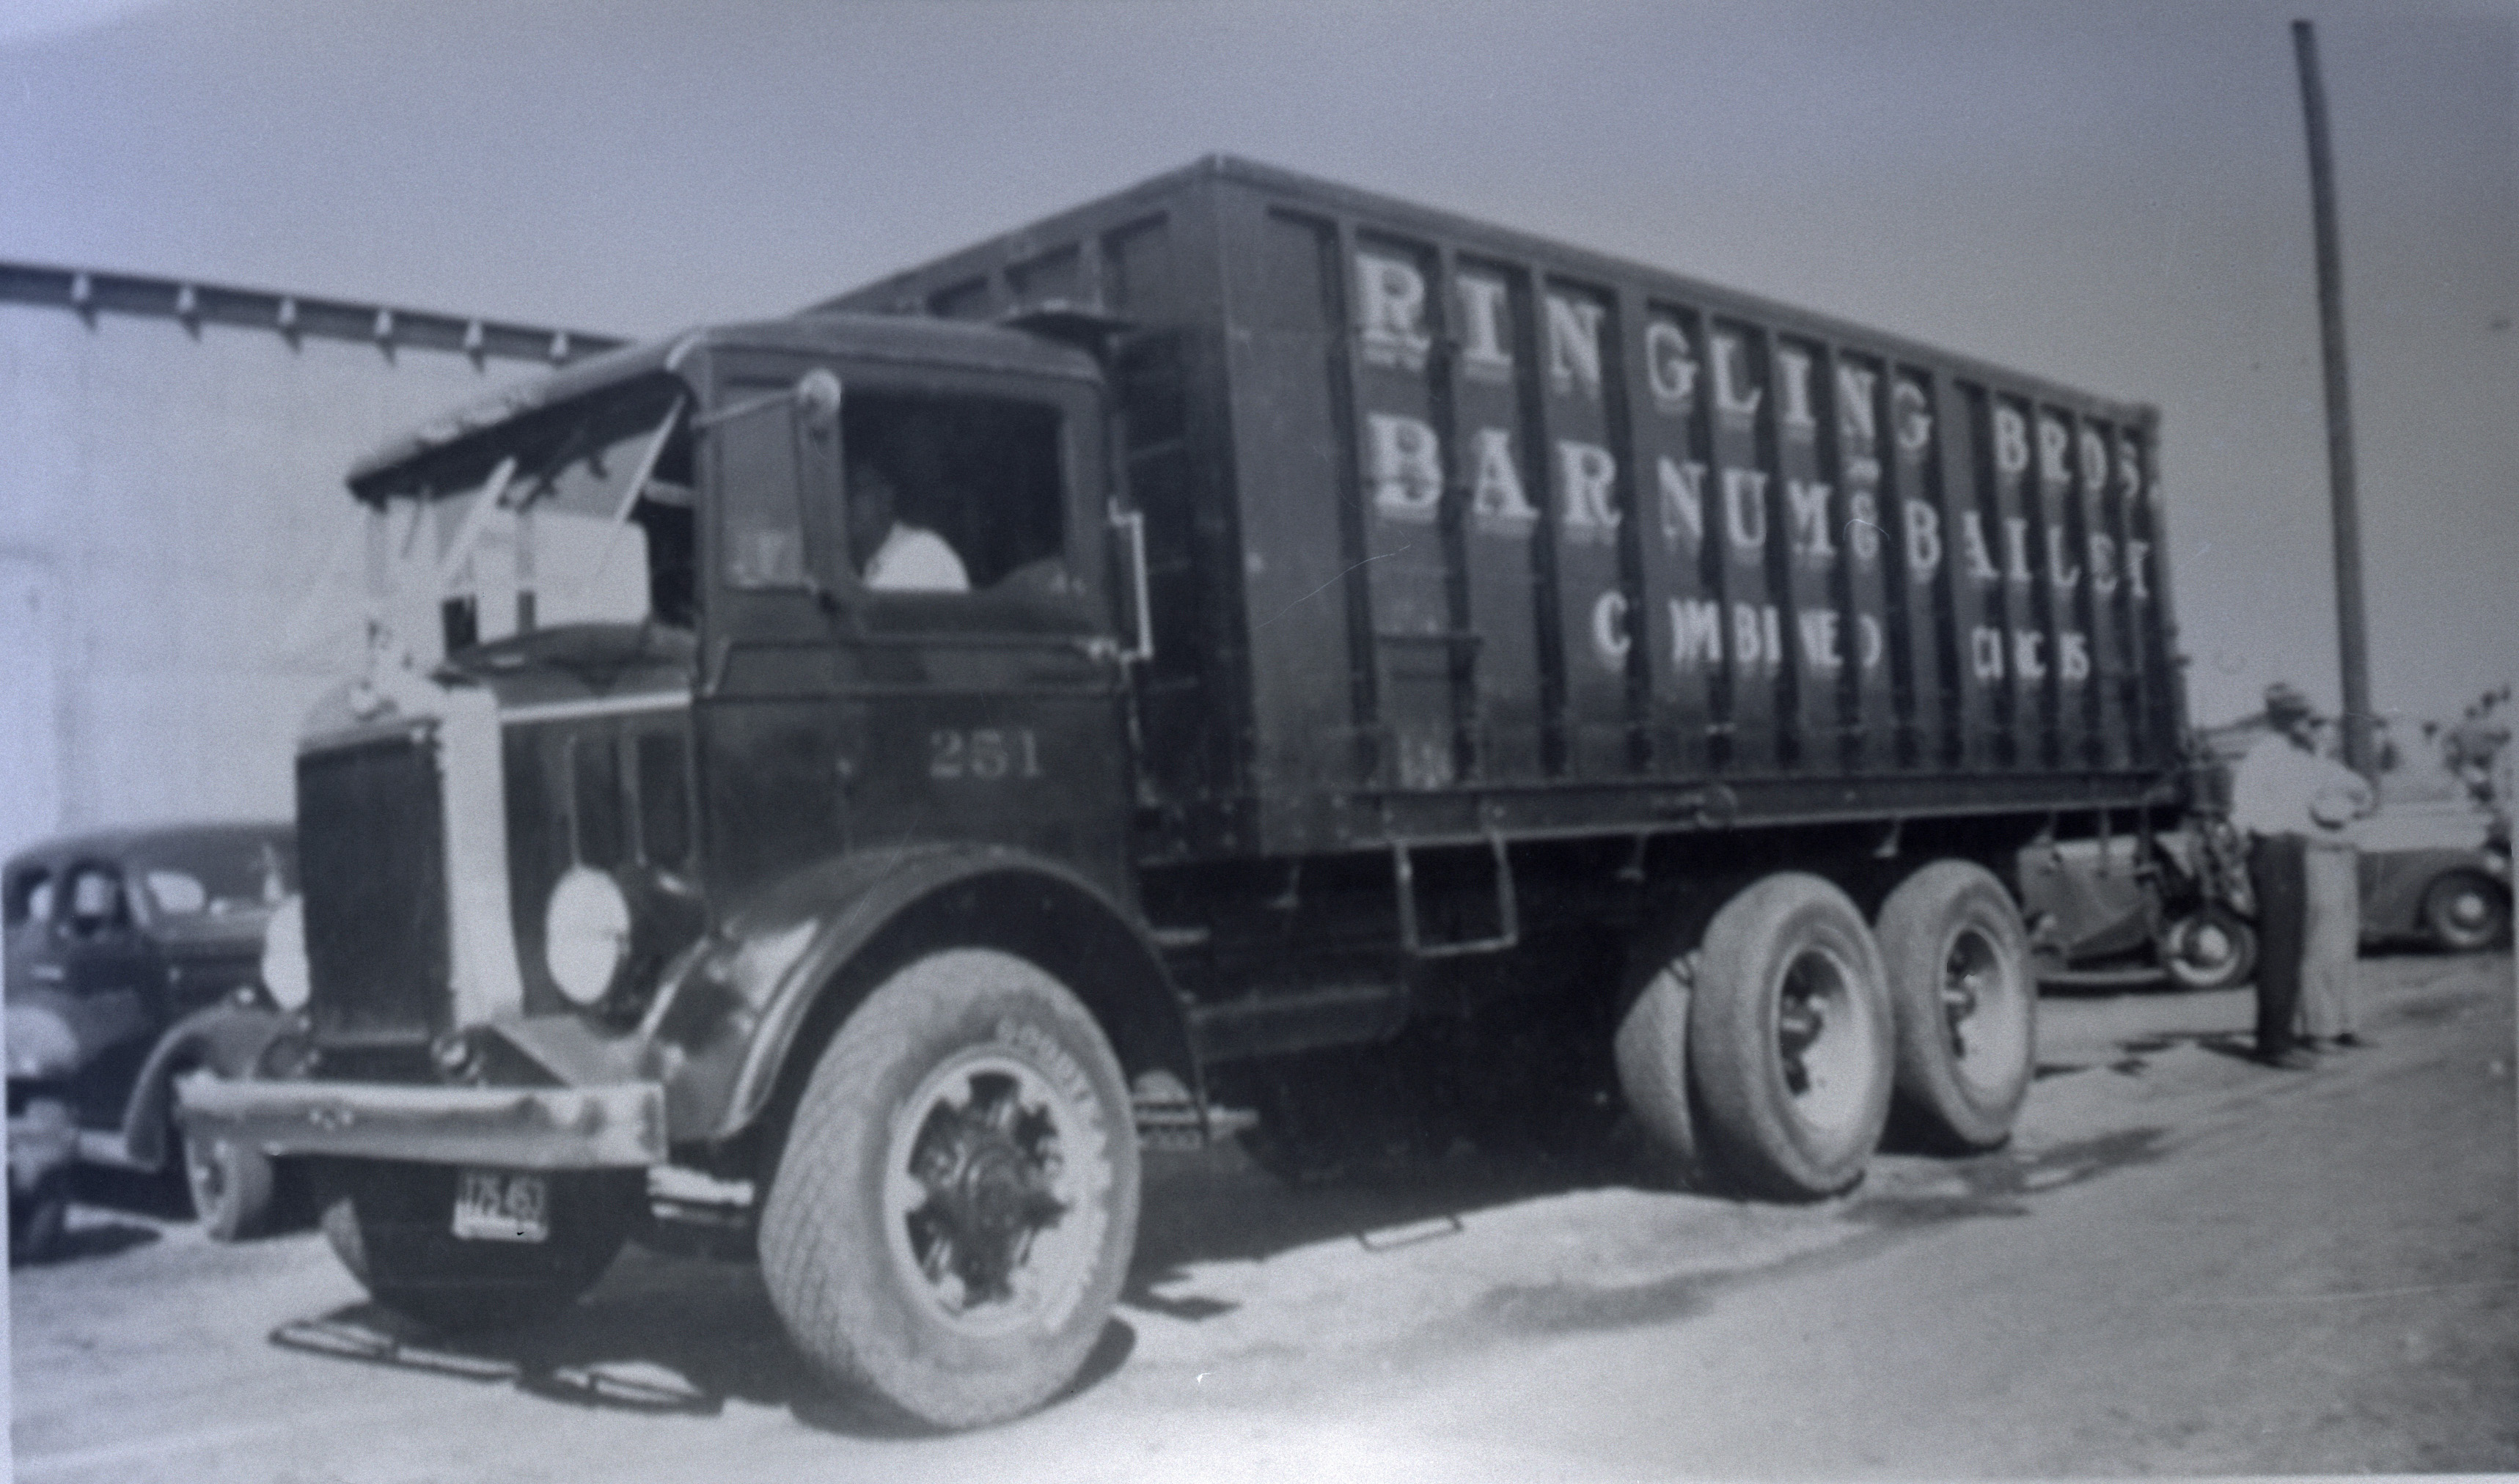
[957,1199]
[1789,1038]
[2463,912]
[231,1185]
[37,1218]
[2210,947]
[391,1223]
[1965,1003]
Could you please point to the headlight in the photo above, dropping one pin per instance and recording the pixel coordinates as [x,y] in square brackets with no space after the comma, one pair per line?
[585,934]
[40,1043]
[284,954]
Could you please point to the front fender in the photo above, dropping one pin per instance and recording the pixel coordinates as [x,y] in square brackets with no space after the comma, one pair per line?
[226,1038]
[782,970]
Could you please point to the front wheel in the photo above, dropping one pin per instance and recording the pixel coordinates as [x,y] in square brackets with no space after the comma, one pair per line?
[392,1226]
[956,1200]
[1789,1038]
[39,1216]
[2463,912]
[231,1186]
[2210,947]
[1965,1001]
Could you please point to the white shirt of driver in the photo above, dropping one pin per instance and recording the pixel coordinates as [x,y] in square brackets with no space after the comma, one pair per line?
[912,559]
[2284,789]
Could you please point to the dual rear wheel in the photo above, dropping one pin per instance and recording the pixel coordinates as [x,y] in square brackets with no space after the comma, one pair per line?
[1775,1051]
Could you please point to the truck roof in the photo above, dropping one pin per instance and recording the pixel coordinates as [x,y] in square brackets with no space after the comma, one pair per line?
[877,338]
[1438,223]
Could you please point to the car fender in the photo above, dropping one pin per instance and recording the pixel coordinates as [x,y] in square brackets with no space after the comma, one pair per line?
[226,1038]
[85,1026]
[2393,883]
[743,1018]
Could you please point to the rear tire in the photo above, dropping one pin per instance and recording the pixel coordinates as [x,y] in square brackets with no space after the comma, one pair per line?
[1789,1039]
[2464,912]
[1651,1054]
[2210,947]
[1965,1002]
[956,1199]
[391,1223]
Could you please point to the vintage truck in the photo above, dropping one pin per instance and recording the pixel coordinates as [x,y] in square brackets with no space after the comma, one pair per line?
[1343,647]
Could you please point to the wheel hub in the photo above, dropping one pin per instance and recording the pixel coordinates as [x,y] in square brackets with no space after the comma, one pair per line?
[985,1168]
[1964,973]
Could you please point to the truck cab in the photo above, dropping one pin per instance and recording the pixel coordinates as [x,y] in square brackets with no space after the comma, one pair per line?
[711,687]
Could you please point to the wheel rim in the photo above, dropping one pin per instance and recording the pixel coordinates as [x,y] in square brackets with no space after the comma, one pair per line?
[1984,1012]
[994,1195]
[1820,1040]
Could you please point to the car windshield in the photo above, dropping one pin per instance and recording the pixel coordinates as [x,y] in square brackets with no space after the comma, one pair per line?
[575,514]
[215,877]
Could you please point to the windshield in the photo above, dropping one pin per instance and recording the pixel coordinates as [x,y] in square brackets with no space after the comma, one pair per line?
[217,876]
[579,515]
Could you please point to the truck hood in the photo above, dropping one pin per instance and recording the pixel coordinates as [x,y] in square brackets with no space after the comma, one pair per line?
[578,663]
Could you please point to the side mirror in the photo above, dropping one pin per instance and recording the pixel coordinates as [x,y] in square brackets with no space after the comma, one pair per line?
[817,401]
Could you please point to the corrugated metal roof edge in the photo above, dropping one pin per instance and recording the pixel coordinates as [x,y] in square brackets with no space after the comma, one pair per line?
[88,292]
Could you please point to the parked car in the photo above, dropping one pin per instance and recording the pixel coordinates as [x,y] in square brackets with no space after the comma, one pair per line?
[133,957]
[2129,908]
[2435,872]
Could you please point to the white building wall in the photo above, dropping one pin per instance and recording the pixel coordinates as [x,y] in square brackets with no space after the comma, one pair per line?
[180,565]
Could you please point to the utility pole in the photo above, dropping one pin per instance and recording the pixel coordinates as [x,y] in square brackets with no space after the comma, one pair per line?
[2351,638]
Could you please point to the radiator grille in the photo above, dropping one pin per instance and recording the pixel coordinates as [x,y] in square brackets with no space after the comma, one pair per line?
[372,849]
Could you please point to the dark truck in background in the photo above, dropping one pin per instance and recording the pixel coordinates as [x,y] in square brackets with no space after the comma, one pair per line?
[1394,651]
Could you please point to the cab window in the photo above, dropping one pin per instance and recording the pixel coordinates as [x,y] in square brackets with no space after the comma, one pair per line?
[95,901]
[951,494]
[30,896]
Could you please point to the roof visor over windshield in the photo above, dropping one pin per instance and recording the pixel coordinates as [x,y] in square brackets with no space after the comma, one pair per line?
[573,513]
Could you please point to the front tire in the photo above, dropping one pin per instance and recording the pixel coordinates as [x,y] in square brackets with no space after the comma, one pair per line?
[2464,913]
[231,1186]
[956,1200]
[1789,1038]
[391,1225]
[1965,1002]
[38,1217]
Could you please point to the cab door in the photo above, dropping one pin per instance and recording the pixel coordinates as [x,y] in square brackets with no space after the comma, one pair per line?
[981,685]
[970,693]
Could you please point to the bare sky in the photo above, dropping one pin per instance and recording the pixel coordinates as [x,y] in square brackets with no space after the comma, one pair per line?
[2114,195]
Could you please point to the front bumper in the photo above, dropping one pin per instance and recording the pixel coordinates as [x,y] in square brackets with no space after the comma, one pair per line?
[614,1126]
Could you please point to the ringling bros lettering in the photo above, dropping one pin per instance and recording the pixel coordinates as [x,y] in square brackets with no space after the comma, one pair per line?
[1773,533]
[1352,650]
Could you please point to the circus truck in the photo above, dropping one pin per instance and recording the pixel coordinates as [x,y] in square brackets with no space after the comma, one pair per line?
[1242,656]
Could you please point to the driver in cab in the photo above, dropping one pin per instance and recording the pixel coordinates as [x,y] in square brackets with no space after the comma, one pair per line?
[893,554]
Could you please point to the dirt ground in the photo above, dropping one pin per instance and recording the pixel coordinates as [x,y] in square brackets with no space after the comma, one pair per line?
[2184,1263]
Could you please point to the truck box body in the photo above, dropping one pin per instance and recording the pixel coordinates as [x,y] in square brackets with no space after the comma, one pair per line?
[1456,531]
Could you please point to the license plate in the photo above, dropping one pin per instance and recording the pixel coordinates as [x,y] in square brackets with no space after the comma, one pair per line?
[501,1205]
